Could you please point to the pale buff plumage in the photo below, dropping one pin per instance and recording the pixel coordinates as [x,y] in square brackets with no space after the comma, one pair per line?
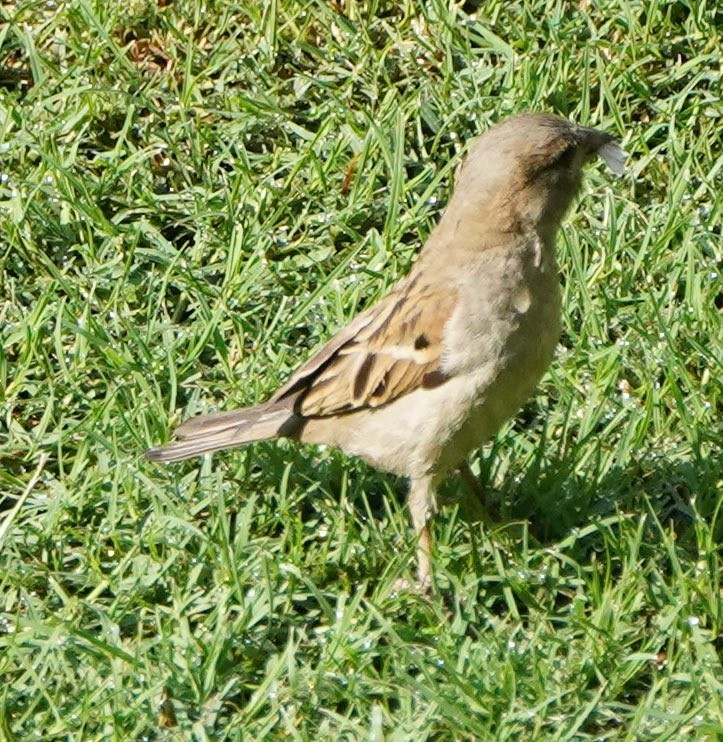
[431,371]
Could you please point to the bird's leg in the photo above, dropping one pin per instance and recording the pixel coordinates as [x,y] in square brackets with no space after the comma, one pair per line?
[471,482]
[422,506]
[479,509]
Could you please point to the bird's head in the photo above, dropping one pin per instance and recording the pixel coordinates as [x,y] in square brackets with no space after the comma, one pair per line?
[531,166]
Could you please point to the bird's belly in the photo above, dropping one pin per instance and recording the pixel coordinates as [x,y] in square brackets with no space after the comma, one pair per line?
[495,403]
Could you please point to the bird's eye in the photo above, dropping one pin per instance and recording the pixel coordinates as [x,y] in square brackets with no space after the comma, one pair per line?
[566,157]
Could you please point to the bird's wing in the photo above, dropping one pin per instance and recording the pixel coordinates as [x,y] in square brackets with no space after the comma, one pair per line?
[387,351]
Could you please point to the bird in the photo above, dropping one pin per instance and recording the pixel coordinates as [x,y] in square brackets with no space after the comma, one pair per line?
[430,372]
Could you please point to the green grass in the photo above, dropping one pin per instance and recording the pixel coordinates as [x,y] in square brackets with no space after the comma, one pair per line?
[193,195]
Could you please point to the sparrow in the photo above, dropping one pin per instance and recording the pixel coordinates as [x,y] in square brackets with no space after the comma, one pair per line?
[416,382]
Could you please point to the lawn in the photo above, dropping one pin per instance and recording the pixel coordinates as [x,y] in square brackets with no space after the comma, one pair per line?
[194,194]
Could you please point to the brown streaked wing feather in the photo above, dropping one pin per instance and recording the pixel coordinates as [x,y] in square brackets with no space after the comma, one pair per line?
[306,373]
[389,350]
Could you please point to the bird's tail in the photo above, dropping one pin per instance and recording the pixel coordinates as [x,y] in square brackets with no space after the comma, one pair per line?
[208,433]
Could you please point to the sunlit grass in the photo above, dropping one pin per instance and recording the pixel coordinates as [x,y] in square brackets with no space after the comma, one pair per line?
[193,196]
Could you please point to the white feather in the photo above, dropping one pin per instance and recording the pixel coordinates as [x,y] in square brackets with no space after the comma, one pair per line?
[614,156]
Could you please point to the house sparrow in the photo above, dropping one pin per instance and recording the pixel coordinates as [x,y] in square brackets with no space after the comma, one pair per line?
[431,371]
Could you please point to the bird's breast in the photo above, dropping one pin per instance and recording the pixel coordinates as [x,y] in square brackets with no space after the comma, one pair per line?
[508,313]
[501,340]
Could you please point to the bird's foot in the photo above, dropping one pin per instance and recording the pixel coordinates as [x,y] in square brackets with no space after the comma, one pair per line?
[416,587]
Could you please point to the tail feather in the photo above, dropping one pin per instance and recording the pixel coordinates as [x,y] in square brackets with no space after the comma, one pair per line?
[208,433]
[218,421]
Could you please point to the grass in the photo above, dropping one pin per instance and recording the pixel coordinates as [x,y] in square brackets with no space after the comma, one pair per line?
[196,193]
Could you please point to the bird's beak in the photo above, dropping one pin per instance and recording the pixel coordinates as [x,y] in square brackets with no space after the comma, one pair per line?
[605,145]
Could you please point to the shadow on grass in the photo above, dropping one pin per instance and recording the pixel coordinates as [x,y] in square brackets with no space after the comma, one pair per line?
[555,496]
